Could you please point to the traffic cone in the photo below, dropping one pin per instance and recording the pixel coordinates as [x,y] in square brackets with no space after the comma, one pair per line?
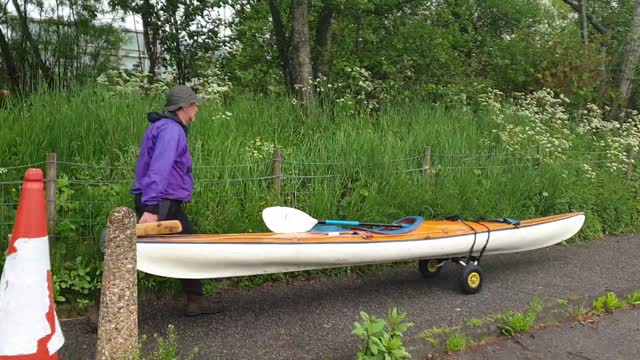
[29,326]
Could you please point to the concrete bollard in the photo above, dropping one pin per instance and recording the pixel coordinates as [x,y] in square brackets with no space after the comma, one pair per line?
[118,322]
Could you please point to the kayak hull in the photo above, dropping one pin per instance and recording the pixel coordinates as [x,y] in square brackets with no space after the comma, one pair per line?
[228,255]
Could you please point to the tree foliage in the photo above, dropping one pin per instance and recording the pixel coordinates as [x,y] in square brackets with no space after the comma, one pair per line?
[62,45]
[421,47]
[367,49]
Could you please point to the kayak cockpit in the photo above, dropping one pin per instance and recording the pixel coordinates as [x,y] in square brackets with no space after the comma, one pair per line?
[410,224]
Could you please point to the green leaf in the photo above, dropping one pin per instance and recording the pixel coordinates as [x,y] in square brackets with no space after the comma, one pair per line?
[404,327]
[376,326]
[374,345]
[400,354]
[359,330]
[395,343]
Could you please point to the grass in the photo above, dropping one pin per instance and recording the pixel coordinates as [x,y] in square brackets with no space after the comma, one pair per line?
[633,298]
[435,335]
[579,312]
[607,303]
[458,342]
[475,322]
[574,297]
[337,165]
[513,323]
[165,347]
[519,322]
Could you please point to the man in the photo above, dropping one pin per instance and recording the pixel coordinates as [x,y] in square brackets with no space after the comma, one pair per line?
[164,182]
[164,178]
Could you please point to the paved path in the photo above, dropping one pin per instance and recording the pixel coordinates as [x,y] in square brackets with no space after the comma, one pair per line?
[611,336]
[313,320]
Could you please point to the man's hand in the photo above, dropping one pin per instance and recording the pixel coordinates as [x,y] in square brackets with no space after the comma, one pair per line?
[147,218]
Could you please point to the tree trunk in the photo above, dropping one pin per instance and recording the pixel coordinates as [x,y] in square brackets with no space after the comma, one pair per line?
[281,44]
[150,36]
[301,53]
[178,55]
[9,62]
[140,59]
[583,21]
[592,20]
[181,67]
[26,33]
[323,39]
[630,61]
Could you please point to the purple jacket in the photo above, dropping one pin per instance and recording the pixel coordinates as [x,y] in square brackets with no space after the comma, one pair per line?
[164,169]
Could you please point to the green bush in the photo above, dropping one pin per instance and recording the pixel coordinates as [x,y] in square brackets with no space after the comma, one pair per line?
[77,280]
[382,339]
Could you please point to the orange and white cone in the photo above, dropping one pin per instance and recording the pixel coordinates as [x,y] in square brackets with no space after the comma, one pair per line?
[29,326]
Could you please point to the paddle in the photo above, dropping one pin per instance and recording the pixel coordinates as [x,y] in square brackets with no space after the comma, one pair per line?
[152,228]
[280,219]
[159,228]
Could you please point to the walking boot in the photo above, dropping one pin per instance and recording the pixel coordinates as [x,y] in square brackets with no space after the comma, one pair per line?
[200,304]
[93,315]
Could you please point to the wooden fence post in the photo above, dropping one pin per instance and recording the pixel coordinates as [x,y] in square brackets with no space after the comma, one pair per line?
[427,160]
[541,153]
[50,190]
[630,157]
[277,171]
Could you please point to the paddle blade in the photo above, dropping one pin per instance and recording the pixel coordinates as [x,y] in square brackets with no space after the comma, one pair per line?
[280,219]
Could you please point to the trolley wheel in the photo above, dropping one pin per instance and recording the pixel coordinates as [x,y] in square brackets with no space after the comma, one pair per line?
[471,279]
[429,268]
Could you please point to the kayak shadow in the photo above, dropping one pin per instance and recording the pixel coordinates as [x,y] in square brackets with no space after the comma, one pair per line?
[403,282]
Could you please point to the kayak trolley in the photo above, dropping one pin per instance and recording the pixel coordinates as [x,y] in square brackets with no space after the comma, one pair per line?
[470,279]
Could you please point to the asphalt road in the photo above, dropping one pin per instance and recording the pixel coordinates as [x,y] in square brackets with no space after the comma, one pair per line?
[314,319]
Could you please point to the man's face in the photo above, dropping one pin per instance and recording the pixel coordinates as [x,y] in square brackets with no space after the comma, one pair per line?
[191,112]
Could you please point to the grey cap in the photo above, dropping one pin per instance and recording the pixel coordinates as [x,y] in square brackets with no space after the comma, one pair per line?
[181,96]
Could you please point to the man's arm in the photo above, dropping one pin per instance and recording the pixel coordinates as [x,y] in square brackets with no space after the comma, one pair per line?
[164,155]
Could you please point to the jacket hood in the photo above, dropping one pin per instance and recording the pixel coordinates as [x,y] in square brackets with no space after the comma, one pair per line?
[157,116]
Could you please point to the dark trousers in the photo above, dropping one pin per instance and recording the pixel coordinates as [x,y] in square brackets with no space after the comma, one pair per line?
[172,210]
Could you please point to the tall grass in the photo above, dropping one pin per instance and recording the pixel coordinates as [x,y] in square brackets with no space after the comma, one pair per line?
[336,165]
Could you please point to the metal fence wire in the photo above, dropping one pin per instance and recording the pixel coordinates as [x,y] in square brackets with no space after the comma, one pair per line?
[86,192]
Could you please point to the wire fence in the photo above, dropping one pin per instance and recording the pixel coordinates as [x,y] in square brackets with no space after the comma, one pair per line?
[86,192]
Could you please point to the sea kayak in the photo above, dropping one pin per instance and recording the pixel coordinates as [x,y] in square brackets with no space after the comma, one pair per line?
[325,246]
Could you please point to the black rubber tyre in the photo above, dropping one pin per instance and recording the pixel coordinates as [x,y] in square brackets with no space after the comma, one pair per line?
[471,279]
[429,268]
